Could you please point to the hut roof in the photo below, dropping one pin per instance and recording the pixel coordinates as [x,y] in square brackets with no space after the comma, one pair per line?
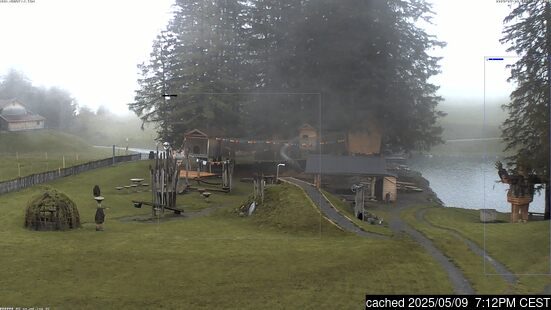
[306,126]
[346,165]
[195,133]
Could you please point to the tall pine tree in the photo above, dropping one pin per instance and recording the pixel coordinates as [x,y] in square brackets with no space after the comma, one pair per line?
[363,56]
[526,130]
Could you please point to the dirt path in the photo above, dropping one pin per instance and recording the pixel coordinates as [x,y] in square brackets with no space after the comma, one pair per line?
[502,271]
[329,211]
[460,284]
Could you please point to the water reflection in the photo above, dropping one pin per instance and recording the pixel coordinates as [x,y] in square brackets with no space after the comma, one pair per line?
[468,182]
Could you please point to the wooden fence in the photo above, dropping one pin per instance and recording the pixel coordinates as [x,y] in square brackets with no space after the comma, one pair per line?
[38,178]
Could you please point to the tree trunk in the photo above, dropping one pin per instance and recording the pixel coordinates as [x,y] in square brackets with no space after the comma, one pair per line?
[548,48]
[547,187]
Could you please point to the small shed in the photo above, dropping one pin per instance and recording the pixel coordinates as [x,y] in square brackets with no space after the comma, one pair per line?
[382,182]
[196,143]
[308,137]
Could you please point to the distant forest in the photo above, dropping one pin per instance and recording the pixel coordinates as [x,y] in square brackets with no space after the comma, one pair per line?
[62,112]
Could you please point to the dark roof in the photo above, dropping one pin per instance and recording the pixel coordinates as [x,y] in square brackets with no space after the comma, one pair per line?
[346,165]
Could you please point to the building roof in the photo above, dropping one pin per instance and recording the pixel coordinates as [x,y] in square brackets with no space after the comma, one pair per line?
[346,165]
[13,111]
[5,102]
[195,133]
[306,126]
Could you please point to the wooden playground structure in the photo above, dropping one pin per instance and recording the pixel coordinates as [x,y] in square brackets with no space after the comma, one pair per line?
[199,166]
[171,176]
[164,184]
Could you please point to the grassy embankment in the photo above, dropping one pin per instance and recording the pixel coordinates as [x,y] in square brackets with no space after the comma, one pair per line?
[523,248]
[347,209]
[284,256]
[43,150]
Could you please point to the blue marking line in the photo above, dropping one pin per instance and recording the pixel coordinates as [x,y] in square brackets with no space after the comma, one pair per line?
[495,58]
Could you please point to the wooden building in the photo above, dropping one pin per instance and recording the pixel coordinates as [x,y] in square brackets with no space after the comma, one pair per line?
[196,143]
[365,169]
[308,137]
[14,116]
[202,143]
[364,138]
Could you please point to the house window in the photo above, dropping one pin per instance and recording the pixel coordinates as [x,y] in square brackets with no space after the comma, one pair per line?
[38,123]
[196,149]
[304,136]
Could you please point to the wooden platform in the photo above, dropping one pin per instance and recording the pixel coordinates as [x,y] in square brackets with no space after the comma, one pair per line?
[193,174]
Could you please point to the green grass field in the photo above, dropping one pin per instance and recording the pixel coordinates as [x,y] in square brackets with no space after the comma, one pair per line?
[523,248]
[348,209]
[28,152]
[284,256]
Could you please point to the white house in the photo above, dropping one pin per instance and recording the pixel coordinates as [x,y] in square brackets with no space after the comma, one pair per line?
[14,116]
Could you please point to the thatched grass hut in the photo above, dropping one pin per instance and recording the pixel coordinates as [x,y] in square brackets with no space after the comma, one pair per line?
[52,210]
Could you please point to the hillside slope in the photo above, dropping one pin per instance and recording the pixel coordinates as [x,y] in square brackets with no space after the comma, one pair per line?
[47,140]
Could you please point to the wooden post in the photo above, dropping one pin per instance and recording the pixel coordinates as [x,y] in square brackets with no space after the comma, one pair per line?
[317,180]
[372,186]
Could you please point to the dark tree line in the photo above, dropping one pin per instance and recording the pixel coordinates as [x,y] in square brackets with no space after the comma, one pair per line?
[55,104]
[363,56]
[526,131]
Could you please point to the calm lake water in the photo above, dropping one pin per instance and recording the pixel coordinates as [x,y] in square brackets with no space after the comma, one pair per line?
[468,182]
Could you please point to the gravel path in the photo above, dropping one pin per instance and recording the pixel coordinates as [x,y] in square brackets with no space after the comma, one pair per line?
[460,284]
[329,211]
[502,271]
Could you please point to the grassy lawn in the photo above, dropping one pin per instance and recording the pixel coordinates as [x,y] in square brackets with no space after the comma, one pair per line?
[469,262]
[348,209]
[524,248]
[276,258]
[31,152]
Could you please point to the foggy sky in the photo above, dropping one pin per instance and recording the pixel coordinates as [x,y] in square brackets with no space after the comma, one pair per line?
[91,48]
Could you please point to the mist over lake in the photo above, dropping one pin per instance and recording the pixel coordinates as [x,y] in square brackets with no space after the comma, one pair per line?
[469,182]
